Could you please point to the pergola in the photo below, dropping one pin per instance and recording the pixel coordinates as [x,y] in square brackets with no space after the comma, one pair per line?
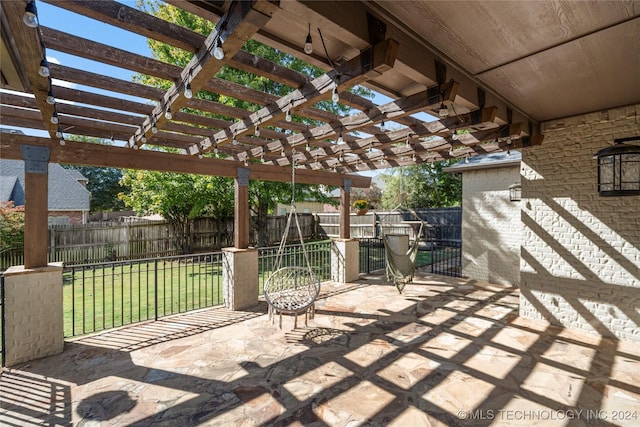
[378,45]
[488,72]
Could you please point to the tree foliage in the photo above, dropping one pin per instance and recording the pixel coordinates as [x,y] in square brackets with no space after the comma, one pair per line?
[179,198]
[264,196]
[11,226]
[104,183]
[424,185]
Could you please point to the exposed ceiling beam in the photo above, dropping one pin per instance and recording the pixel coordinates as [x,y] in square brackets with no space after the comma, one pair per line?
[78,153]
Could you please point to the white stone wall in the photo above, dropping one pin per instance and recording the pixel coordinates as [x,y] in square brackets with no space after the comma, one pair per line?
[491,228]
[580,264]
[33,313]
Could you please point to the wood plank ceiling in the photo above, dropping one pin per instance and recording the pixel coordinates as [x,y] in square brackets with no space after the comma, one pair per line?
[367,45]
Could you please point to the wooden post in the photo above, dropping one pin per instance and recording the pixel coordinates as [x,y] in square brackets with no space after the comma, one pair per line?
[345,207]
[241,210]
[36,175]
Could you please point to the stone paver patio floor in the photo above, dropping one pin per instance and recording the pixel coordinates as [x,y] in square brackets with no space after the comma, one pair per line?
[444,353]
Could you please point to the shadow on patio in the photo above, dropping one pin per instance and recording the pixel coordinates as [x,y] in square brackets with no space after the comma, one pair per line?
[446,352]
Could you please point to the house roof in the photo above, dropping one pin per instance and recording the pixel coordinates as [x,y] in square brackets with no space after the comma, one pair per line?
[65,192]
[488,161]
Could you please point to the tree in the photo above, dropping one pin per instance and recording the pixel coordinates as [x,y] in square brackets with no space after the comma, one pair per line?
[179,198]
[264,196]
[11,226]
[103,183]
[424,185]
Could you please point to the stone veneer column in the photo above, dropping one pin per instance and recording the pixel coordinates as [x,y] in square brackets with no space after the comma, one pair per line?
[240,278]
[345,260]
[33,313]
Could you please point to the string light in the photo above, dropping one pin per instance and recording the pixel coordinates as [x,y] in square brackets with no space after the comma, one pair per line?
[335,97]
[287,117]
[340,138]
[215,148]
[246,162]
[407,143]
[451,151]
[308,45]
[187,91]
[54,116]
[235,141]
[307,147]
[443,111]
[454,136]
[59,132]
[218,52]
[168,114]
[154,128]
[44,68]
[257,132]
[62,141]
[200,156]
[466,159]
[143,139]
[30,17]
[383,127]
[51,100]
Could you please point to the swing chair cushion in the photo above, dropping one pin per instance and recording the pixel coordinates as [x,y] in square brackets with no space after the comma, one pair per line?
[291,289]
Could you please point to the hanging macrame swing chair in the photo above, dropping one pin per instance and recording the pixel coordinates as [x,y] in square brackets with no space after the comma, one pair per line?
[292,289]
[401,265]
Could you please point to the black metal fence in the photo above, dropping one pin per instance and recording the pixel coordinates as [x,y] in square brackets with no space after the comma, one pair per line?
[106,295]
[443,255]
[446,258]
[372,255]
[101,296]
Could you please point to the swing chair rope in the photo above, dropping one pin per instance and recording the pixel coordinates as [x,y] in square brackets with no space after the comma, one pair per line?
[292,214]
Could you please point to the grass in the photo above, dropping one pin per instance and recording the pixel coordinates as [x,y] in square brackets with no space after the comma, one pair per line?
[115,294]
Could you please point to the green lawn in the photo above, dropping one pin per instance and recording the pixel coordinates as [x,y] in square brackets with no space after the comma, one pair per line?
[116,294]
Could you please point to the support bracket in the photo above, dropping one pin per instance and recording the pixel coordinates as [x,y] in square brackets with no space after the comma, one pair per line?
[36,158]
[243,176]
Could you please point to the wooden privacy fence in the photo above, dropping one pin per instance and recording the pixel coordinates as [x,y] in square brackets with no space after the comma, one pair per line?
[440,224]
[96,242]
[109,241]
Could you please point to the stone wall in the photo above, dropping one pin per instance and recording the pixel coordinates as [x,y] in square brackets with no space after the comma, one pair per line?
[491,229]
[580,257]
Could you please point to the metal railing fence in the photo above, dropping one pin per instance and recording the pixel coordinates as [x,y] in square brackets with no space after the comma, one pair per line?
[106,295]
[319,257]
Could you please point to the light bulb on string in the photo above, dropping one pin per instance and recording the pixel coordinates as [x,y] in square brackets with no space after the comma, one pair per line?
[218,52]
[154,128]
[340,138]
[58,132]
[44,68]
[287,116]
[308,45]
[30,17]
[143,139]
[246,162]
[54,117]
[443,111]
[257,132]
[167,114]
[383,126]
[62,141]
[335,97]
[51,100]
[235,141]
[188,93]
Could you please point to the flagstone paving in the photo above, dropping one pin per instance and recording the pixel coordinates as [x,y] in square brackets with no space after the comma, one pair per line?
[446,352]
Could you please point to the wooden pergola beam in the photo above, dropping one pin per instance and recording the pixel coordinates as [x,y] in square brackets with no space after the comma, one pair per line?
[369,64]
[233,30]
[78,153]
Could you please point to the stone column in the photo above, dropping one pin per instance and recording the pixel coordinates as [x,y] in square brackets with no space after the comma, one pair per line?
[345,260]
[240,278]
[33,313]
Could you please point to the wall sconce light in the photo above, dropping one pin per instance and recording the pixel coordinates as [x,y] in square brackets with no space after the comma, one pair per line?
[619,168]
[515,192]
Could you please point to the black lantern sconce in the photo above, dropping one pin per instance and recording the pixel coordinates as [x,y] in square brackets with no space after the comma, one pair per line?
[515,192]
[619,168]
